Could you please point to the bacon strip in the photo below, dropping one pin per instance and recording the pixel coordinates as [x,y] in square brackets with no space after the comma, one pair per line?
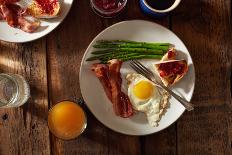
[110,78]
[121,103]
[13,14]
[16,9]
[1,15]
[8,14]
[102,73]
[3,2]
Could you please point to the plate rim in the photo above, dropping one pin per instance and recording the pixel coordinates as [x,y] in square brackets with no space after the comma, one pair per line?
[82,62]
[61,21]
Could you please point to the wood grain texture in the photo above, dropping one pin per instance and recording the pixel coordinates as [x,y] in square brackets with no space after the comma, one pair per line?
[206,30]
[66,46]
[24,130]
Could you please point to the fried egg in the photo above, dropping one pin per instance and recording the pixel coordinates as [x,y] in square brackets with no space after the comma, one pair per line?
[145,97]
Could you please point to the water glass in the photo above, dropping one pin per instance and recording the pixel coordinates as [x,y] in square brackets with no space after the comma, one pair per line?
[14,90]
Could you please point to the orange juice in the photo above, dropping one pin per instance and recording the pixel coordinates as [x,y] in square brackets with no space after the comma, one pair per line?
[66,120]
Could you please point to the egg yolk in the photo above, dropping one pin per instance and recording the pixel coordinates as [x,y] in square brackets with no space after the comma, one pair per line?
[143,90]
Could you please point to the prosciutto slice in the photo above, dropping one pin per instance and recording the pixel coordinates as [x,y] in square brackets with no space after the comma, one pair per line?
[110,78]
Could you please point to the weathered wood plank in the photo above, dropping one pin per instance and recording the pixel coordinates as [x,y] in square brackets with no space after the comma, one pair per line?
[24,130]
[206,30]
[66,46]
[161,143]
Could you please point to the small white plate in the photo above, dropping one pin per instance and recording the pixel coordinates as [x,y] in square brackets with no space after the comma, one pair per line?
[94,95]
[15,35]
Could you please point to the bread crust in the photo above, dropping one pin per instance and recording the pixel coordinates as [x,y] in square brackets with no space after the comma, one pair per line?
[35,10]
[171,79]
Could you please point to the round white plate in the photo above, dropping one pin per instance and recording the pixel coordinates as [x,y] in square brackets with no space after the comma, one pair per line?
[14,35]
[93,93]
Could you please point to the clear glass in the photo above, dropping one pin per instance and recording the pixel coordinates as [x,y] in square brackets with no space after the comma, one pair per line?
[14,90]
[108,8]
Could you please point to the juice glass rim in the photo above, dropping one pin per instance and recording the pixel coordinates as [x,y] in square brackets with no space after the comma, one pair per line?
[84,124]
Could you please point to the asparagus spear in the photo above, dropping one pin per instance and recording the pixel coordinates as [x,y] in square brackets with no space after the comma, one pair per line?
[110,56]
[105,60]
[129,41]
[131,45]
[126,43]
[129,50]
[128,57]
[119,54]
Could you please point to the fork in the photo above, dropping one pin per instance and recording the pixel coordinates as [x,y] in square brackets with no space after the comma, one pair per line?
[141,69]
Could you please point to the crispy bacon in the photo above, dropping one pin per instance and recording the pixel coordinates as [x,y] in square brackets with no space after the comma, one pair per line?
[127,109]
[13,14]
[1,15]
[2,2]
[102,73]
[121,103]
[16,9]
[8,14]
[110,78]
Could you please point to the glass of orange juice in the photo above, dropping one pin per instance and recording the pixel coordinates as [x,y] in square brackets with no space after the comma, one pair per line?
[67,120]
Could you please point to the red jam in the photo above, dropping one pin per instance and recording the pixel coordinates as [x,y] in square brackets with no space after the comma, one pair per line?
[47,5]
[106,4]
[171,54]
[171,68]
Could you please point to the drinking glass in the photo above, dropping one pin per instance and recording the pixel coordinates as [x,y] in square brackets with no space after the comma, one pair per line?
[108,8]
[14,90]
[67,120]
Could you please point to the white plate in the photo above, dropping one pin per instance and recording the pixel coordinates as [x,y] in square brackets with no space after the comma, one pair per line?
[10,34]
[93,93]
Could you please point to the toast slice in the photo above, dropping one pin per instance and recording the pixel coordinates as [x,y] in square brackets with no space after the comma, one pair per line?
[171,71]
[44,8]
[170,55]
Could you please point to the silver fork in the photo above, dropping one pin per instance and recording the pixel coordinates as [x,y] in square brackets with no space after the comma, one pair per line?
[141,69]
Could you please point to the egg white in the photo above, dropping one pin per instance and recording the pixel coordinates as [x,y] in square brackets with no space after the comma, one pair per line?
[151,106]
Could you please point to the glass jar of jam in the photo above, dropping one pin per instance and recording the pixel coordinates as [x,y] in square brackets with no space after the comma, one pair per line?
[108,8]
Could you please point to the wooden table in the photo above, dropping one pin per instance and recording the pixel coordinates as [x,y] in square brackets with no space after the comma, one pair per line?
[51,65]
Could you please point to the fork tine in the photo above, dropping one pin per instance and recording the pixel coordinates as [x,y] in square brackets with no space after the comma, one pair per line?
[141,67]
[148,71]
[138,67]
[135,68]
[138,70]
[145,68]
